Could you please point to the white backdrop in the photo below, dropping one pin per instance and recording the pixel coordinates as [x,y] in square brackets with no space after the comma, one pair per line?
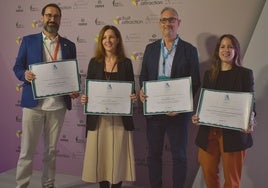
[202,22]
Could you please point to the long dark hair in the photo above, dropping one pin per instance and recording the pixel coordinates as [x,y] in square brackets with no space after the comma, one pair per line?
[216,65]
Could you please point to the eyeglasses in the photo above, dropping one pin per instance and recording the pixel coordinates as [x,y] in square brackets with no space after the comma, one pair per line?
[49,16]
[169,20]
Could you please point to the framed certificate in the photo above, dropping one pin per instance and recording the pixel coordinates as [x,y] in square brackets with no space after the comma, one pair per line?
[225,109]
[55,78]
[165,96]
[109,98]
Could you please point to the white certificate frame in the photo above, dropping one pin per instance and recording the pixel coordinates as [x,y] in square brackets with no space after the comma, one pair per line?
[109,97]
[55,78]
[225,109]
[174,95]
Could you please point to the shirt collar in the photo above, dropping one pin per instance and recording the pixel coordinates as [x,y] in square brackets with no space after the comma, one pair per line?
[175,42]
[45,38]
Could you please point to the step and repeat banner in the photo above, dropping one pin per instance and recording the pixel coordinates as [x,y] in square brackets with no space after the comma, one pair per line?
[202,22]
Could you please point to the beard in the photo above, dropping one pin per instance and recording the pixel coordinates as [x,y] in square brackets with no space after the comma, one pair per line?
[51,27]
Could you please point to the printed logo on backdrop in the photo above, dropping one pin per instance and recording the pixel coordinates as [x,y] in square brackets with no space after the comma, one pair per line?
[153,38]
[81,4]
[19,9]
[99,4]
[80,39]
[152,19]
[64,7]
[34,8]
[37,24]
[82,22]
[146,2]
[19,25]
[18,118]
[117,3]
[79,140]
[126,20]
[64,138]
[133,37]
[99,22]
[172,2]
[136,56]
[81,123]
[18,40]
[96,38]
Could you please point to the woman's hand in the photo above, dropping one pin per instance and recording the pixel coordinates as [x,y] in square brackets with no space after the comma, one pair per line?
[252,124]
[133,97]
[84,99]
[142,96]
[195,120]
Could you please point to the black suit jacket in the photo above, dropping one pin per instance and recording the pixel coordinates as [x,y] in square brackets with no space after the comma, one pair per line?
[185,63]
[96,72]
[233,140]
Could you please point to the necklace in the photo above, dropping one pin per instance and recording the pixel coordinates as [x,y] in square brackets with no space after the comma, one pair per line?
[108,74]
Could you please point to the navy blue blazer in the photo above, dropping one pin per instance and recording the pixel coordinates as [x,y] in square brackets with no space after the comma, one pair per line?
[31,52]
[185,64]
[233,140]
[96,72]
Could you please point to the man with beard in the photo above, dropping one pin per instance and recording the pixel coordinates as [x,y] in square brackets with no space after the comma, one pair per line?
[42,116]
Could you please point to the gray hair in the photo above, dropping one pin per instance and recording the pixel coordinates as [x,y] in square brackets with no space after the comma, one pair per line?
[170,9]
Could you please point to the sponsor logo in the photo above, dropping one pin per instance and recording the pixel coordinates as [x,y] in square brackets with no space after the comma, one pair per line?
[19,25]
[62,155]
[33,8]
[117,3]
[99,4]
[99,22]
[64,7]
[18,119]
[136,56]
[126,20]
[36,24]
[146,2]
[82,22]
[19,9]
[153,38]
[81,40]
[81,123]
[133,37]
[64,138]
[18,40]
[79,140]
[81,4]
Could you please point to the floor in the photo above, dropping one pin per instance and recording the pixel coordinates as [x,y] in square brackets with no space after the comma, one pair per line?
[7,180]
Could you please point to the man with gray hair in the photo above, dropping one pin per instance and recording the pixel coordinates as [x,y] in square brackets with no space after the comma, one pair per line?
[165,59]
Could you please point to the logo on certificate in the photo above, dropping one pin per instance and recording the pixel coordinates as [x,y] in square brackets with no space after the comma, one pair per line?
[55,67]
[226,98]
[167,86]
[109,87]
